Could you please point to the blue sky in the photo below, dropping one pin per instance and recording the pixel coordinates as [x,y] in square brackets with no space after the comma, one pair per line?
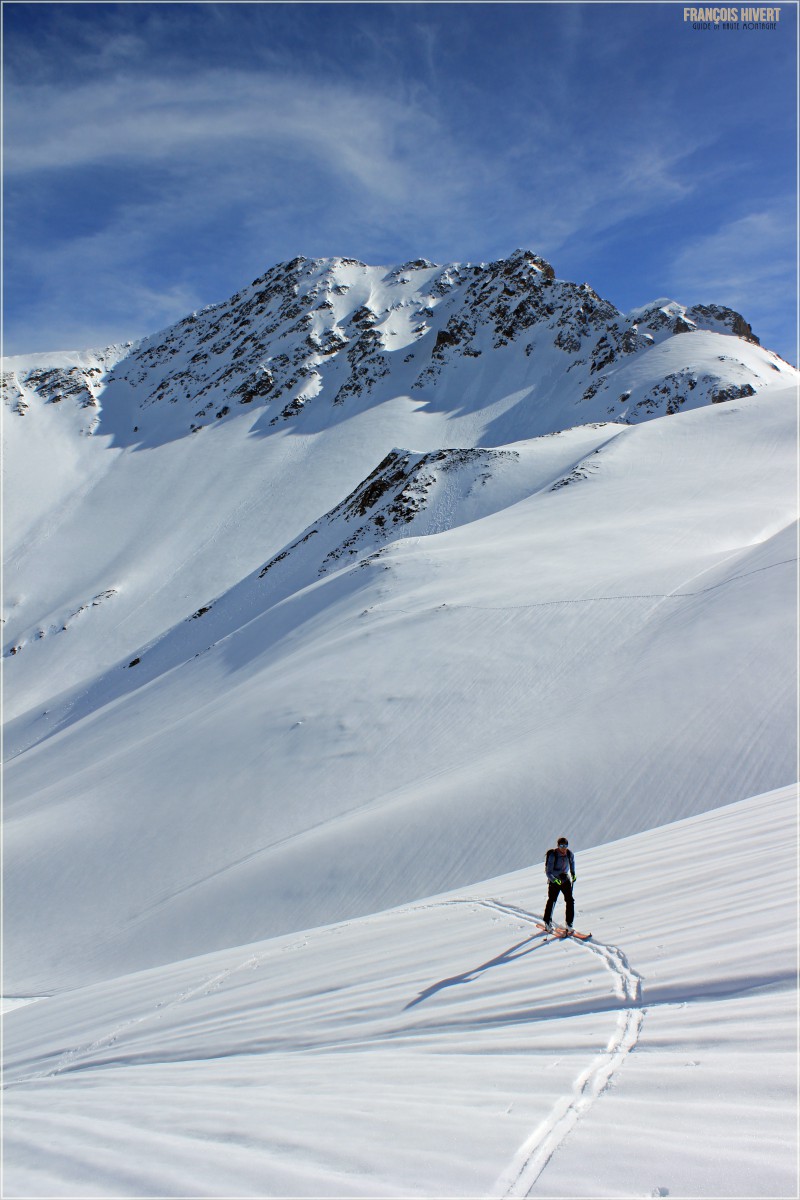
[157,157]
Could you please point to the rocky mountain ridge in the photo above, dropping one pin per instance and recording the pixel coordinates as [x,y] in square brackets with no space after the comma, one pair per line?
[322,335]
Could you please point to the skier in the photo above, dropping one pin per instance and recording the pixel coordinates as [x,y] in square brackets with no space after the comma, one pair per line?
[559,865]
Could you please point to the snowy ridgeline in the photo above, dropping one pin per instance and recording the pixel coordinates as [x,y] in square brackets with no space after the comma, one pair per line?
[445,1048]
[322,336]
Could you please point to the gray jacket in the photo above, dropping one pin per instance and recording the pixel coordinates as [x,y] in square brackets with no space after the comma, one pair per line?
[558,863]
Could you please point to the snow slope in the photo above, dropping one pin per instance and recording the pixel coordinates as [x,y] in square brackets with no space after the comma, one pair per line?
[444,1049]
[609,646]
[119,520]
[355,590]
[352,588]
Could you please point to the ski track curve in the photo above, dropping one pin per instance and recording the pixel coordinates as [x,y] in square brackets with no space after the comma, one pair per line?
[537,1150]
[521,1174]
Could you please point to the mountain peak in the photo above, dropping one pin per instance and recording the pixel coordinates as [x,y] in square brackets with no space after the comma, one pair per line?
[324,335]
[523,258]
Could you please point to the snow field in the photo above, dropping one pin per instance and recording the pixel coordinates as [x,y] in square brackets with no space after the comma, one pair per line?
[231,789]
[446,1048]
[608,654]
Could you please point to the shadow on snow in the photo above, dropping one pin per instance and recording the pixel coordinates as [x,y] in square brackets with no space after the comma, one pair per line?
[507,956]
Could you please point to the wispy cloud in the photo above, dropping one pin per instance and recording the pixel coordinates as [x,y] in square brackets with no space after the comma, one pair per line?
[399,148]
[164,172]
[373,142]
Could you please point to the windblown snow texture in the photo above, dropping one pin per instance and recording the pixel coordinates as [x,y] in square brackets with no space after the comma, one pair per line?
[443,1049]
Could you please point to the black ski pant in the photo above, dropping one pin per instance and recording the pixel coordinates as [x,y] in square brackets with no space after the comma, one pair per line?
[553,892]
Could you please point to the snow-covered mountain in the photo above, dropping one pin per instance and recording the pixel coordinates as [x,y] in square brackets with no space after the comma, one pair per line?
[357,586]
[356,590]
[321,334]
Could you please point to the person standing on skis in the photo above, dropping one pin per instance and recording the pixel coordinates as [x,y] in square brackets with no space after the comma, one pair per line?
[559,865]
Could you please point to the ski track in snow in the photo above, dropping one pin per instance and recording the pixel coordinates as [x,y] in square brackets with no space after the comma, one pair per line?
[70,1060]
[675,595]
[537,1150]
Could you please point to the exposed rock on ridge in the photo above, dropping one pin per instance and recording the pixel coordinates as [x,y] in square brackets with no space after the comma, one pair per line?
[328,333]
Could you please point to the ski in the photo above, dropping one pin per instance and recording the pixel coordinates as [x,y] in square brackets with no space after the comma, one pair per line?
[559,931]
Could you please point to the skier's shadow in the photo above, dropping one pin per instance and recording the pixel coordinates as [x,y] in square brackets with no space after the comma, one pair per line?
[508,955]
